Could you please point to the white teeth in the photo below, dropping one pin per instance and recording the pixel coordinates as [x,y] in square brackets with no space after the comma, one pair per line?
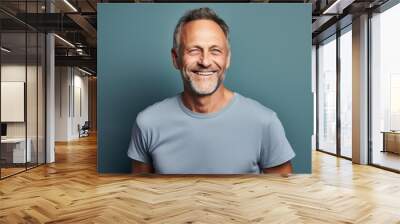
[205,73]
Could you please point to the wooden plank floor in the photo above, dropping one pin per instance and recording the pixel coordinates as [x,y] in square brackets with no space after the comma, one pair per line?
[70,191]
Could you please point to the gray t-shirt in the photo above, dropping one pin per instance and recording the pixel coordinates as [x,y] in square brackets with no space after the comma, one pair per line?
[243,137]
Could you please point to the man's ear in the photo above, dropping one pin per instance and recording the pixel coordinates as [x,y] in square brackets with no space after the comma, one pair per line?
[228,60]
[175,58]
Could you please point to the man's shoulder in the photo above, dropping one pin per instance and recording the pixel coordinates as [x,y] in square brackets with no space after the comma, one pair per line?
[157,111]
[257,112]
[255,107]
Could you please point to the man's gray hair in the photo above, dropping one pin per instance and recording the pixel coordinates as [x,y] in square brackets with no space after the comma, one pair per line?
[197,14]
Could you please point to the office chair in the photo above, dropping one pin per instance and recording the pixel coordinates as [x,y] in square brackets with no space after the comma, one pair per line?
[84,130]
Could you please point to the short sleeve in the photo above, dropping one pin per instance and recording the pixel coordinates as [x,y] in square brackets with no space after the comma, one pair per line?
[138,147]
[275,148]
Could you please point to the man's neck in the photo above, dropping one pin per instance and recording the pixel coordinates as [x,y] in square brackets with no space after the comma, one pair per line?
[207,104]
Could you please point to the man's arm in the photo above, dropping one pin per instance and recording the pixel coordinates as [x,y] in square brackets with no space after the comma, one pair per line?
[140,167]
[285,169]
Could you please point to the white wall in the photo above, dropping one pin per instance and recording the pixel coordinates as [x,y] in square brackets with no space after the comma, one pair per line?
[80,102]
[17,72]
[33,126]
[71,92]
[9,73]
[62,81]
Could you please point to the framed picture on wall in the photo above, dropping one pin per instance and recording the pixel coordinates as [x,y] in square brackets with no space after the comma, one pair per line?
[12,101]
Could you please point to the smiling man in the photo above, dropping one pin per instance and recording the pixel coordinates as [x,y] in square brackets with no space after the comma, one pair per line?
[207,129]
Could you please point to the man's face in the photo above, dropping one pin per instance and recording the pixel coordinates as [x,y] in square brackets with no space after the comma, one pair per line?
[203,56]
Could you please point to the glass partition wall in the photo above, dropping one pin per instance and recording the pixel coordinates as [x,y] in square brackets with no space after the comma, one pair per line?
[334,94]
[13,89]
[22,88]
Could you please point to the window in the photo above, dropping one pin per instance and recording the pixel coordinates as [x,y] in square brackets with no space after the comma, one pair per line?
[346,92]
[385,88]
[327,95]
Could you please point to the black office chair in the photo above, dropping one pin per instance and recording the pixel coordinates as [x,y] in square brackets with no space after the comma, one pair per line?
[84,130]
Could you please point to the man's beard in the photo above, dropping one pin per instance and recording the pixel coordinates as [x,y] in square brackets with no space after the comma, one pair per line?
[200,88]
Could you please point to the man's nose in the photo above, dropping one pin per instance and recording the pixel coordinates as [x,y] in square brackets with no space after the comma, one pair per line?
[205,60]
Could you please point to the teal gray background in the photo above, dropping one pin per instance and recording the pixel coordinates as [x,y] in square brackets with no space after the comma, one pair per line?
[271,63]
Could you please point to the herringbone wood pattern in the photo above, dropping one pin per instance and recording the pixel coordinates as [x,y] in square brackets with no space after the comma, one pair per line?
[71,191]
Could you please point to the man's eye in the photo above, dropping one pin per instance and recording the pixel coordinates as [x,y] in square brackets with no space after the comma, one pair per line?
[216,51]
[193,51]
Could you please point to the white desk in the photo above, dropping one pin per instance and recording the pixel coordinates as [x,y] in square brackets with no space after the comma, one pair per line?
[18,149]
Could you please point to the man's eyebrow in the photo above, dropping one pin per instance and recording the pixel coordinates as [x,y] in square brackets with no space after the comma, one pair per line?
[216,46]
[200,47]
[194,46]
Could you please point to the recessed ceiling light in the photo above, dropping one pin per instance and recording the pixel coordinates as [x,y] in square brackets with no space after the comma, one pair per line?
[5,50]
[65,41]
[84,71]
[70,5]
[337,7]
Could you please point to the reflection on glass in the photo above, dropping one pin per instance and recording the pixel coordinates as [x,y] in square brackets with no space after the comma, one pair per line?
[14,147]
[327,96]
[346,94]
[386,88]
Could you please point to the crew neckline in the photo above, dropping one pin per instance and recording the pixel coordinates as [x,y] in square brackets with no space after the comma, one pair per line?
[205,115]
